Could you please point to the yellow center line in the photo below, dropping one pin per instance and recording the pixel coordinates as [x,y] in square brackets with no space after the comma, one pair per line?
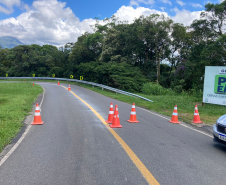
[144,171]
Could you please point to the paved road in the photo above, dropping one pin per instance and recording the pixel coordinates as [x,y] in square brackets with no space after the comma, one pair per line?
[75,147]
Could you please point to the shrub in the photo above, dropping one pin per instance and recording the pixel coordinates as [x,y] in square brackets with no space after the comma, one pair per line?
[178,88]
[196,93]
[153,89]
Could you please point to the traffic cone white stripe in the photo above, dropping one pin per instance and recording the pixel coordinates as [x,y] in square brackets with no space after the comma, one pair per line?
[116,121]
[37,108]
[111,114]
[37,114]
[37,117]
[196,118]
[174,118]
[133,117]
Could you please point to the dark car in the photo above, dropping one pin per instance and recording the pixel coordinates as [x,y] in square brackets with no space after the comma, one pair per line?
[219,130]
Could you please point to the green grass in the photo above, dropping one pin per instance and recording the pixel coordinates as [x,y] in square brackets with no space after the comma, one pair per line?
[15,104]
[164,104]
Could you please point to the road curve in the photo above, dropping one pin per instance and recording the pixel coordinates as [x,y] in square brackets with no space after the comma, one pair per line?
[75,147]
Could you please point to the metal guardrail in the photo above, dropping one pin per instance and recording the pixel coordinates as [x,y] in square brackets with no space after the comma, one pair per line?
[80,81]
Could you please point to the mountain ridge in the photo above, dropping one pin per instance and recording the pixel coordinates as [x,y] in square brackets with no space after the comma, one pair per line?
[9,42]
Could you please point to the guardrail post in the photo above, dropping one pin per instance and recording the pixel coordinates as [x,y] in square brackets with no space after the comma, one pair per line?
[93,86]
[102,88]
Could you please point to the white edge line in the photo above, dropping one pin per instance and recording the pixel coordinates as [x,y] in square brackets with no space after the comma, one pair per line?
[21,139]
[179,124]
[167,119]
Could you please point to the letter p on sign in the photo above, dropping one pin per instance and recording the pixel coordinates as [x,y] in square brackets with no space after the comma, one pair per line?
[220,84]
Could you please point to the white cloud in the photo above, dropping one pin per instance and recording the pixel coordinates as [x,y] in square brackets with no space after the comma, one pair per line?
[24,6]
[5,10]
[129,13]
[175,10]
[185,16]
[181,3]
[163,8]
[147,1]
[196,5]
[134,3]
[8,5]
[49,21]
[138,2]
[166,1]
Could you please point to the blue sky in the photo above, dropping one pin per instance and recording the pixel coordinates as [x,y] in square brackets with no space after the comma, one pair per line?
[58,22]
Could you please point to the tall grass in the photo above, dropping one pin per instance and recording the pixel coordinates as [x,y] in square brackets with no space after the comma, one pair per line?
[15,104]
[165,102]
[152,88]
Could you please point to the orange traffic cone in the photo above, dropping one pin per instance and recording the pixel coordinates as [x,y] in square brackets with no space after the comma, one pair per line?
[196,118]
[58,83]
[37,117]
[133,117]
[174,118]
[69,88]
[111,114]
[116,121]
[33,85]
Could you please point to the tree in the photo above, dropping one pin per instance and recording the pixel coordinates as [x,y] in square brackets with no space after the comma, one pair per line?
[5,64]
[81,53]
[154,32]
[215,15]
[115,44]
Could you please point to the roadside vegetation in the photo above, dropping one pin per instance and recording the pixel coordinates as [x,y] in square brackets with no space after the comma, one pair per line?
[164,104]
[164,101]
[152,56]
[125,55]
[16,101]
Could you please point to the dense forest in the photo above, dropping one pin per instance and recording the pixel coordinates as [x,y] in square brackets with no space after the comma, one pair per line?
[127,55]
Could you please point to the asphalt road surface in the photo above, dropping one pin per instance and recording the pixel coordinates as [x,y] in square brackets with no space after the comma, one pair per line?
[74,147]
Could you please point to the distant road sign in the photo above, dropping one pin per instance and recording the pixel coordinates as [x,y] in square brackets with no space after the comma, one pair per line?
[6,75]
[53,75]
[71,77]
[33,75]
[81,77]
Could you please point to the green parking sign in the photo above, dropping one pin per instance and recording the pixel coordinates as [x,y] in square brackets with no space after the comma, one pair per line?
[220,84]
